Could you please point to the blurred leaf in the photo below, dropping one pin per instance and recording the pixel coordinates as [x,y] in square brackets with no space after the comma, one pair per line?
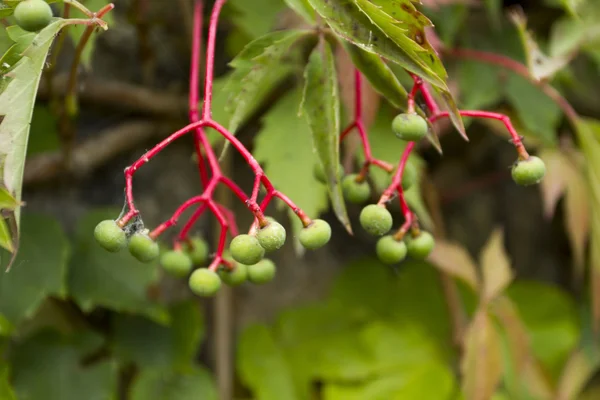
[482,361]
[303,8]
[193,384]
[5,327]
[113,280]
[448,21]
[455,261]
[494,11]
[6,240]
[6,391]
[427,381]
[321,107]
[284,145]
[18,40]
[495,266]
[262,366]
[259,68]
[550,318]
[15,124]
[7,201]
[579,369]
[558,173]
[43,135]
[155,346]
[480,86]
[577,215]
[256,17]
[50,367]
[538,113]
[39,270]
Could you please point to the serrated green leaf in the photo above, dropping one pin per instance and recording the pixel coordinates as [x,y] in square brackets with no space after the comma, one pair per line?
[39,270]
[20,41]
[155,346]
[48,366]
[284,145]
[16,102]
[114,280]
[262,366]
[193,384]
[302,8]
[321,107]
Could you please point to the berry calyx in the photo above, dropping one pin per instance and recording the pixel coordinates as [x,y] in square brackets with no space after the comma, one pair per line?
[319,173]
[33,15]
[528,172]
[272,236]
[204,282]
[261,272]
[235,276]
[246,249]
[315,235]
[376,220]
[355,192]
[410,127]
[176,263]
[110,236]
[197,250]
[390,250]
[142,247]
[420,247]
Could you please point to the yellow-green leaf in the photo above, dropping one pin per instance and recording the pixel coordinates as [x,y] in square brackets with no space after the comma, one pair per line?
[495,266]
[455,261]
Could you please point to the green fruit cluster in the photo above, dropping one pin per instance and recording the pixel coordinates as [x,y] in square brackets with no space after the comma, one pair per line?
[114,239]
[33,15]
[392,251]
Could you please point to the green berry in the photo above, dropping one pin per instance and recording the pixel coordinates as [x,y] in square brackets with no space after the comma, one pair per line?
[421,246]
[410,127]
[315,235]
[176,263]
[409,176]
[528,172]
[376,220]
[110,236]
[33,15]
[197,249]
[204,282]
[261,272]
[235,276]
[142,247]
[272,236]
[390,250]
[355,192]
[319,173]
[246,249]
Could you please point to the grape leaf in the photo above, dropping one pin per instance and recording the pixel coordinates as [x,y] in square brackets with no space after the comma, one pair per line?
[321,107]
[114,280]
[16,102]
[284,145]
[193,384]
[42,268]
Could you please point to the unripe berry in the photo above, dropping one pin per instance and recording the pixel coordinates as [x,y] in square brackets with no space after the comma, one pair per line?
[355,192]
[390,250]
[33,15]
[142,247]
[246,249]
[261,272]
[272,236]
[235,276]
[421,246]
[110,236]
[319,173]
[376,220]
[528,172]
[315,235]
[204,282]
[410,127]
[176,263]
[197,249]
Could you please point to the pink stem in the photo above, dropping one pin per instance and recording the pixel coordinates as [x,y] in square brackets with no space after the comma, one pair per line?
[183,235]
[396,184]
[210,59]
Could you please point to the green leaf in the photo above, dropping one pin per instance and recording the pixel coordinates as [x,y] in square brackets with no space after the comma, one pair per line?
[40,268]
[428,381]
[321,107]
[6,391]
[20,41]
[262,366]
[193,384]
[480,85]
[7,201]
[550,318]
[284,145]
[48,366]
[44,131]
[448,21]
[151,345]
[302,8]
[258,69]
[114,280]
[538,113]
[257,17]
[14,127]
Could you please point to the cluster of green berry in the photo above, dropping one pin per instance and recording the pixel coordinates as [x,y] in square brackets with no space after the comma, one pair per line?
[33,15]
[244,261]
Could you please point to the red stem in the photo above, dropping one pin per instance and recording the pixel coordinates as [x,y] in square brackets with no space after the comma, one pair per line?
[210,59]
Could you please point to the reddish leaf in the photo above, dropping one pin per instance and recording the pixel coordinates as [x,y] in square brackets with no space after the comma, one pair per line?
[555,182]
[495,266]
[454,260]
